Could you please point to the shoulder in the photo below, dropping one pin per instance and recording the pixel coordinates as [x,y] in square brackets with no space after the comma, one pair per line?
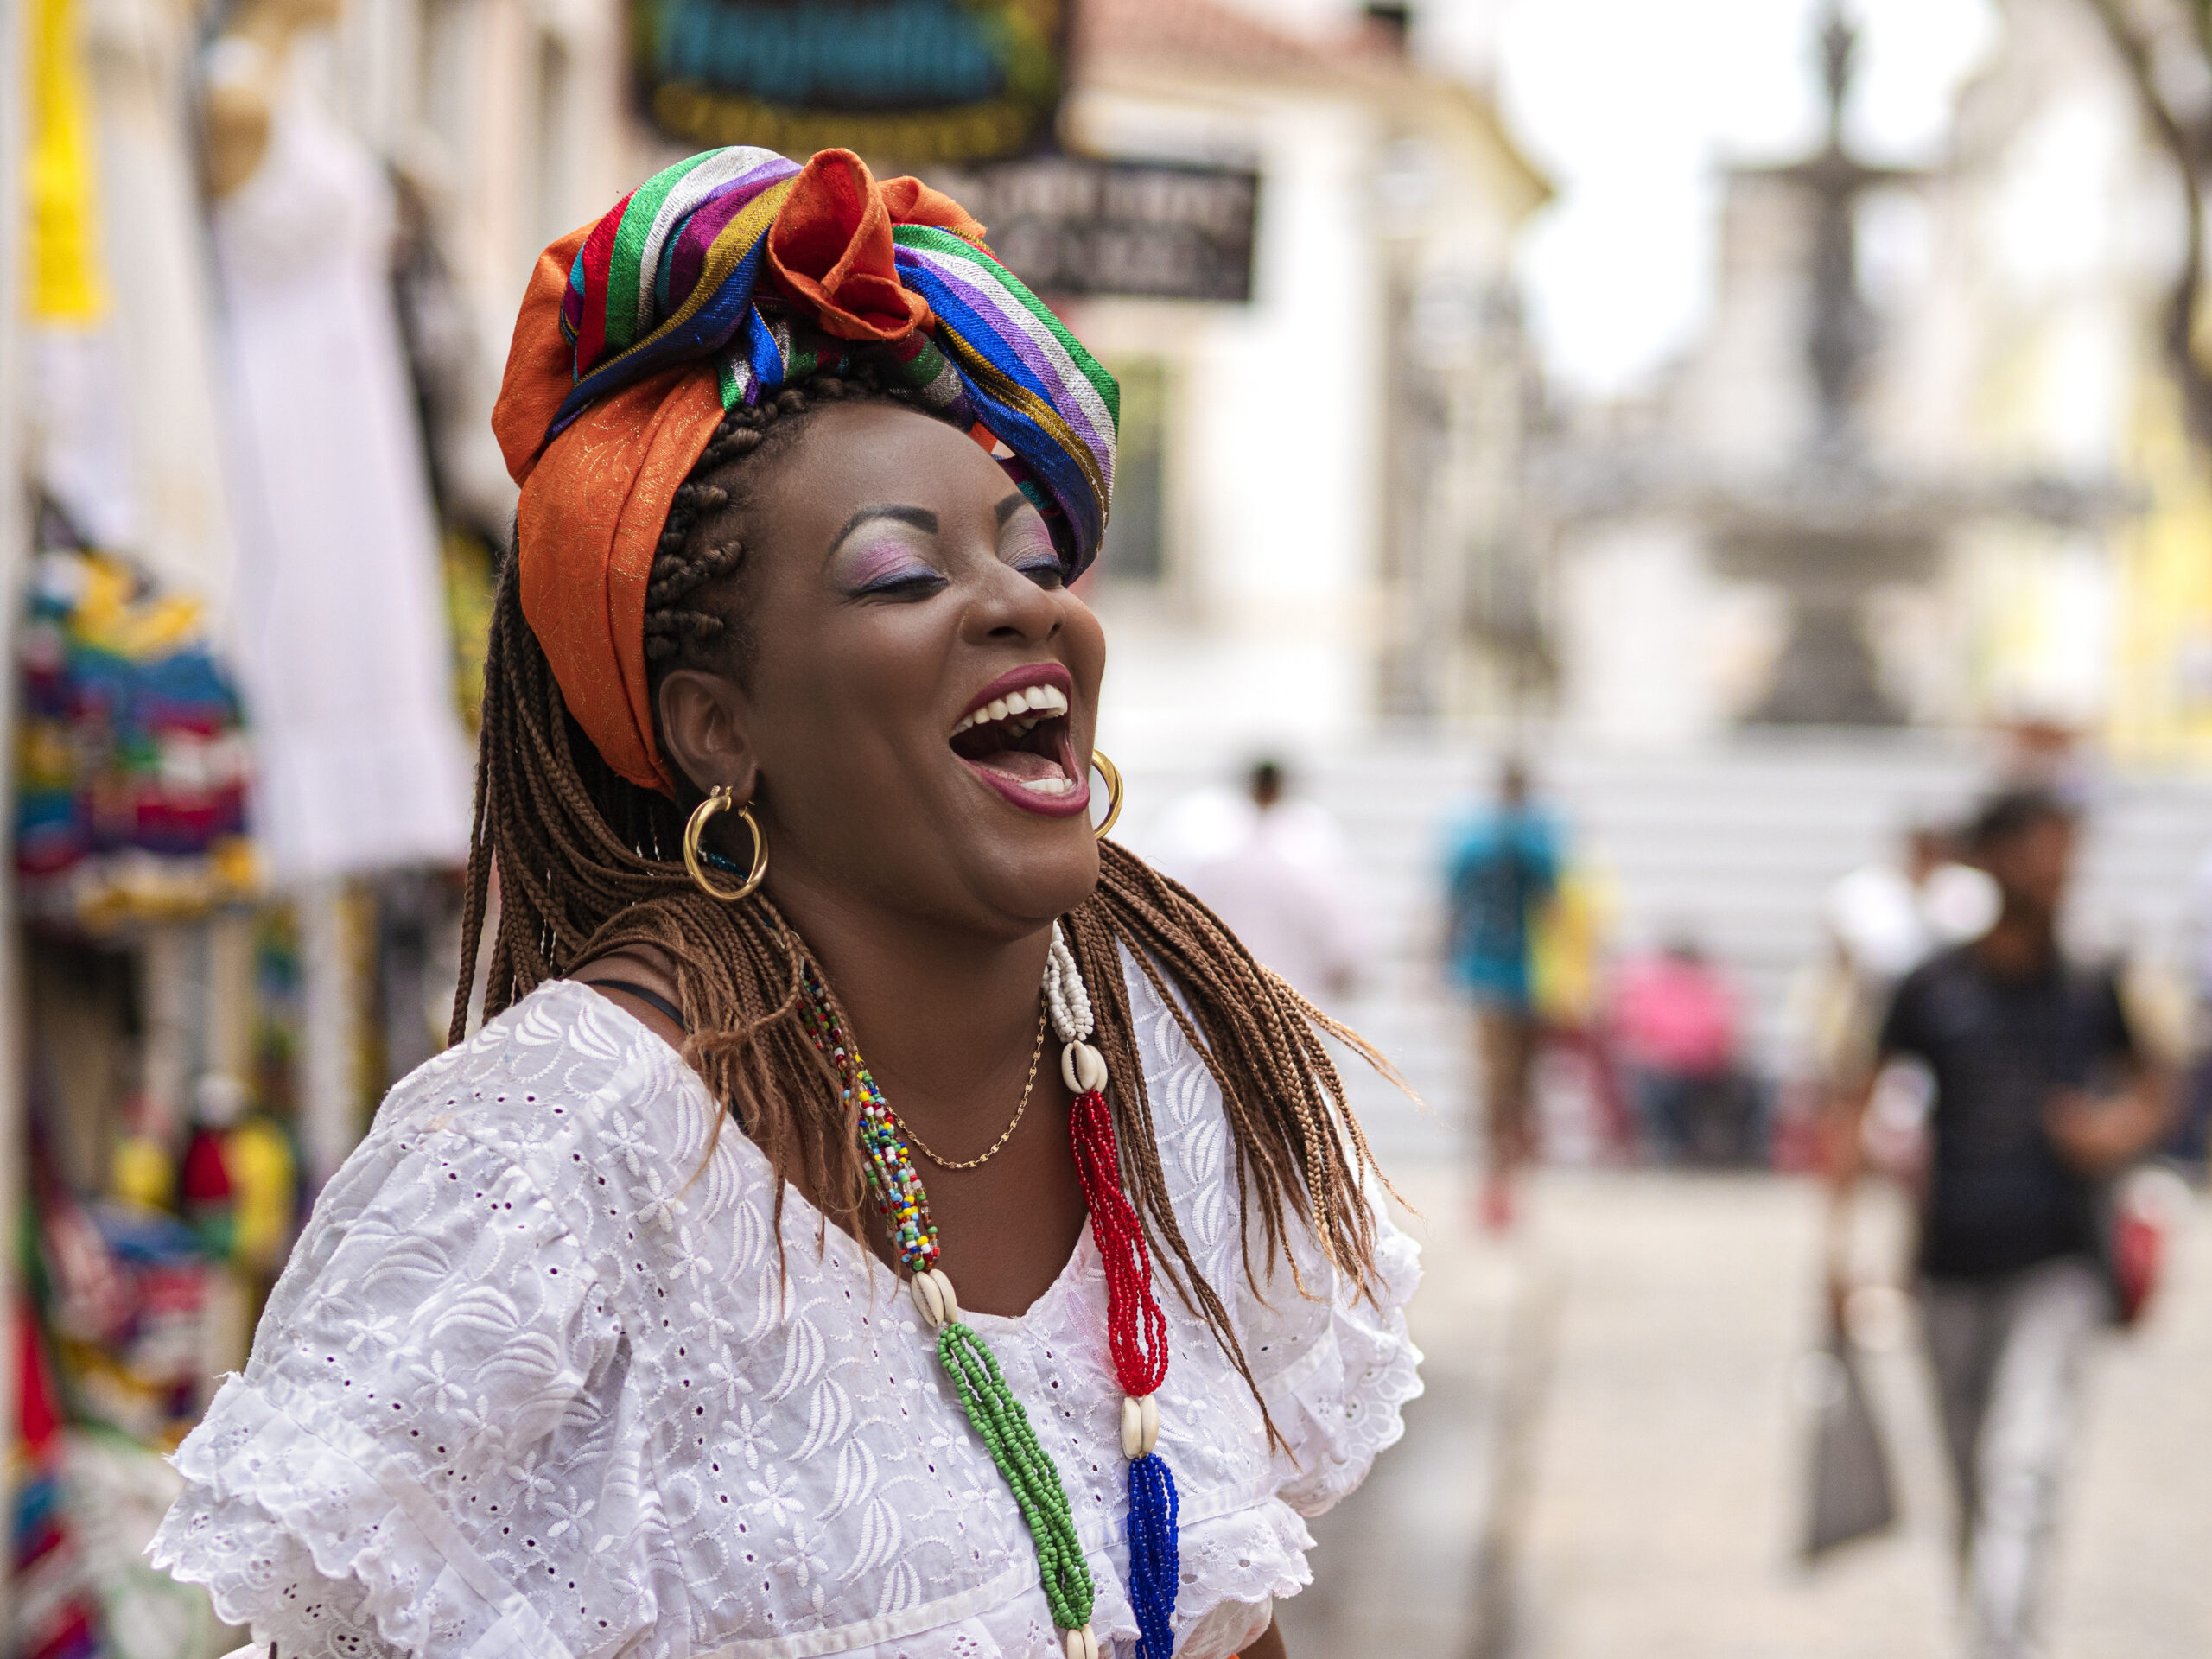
[2113,988]
[1936,976]
[1939,1002]
[574,1092]
[562,1046]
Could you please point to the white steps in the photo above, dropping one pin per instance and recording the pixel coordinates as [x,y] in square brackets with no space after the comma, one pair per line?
[1736,845]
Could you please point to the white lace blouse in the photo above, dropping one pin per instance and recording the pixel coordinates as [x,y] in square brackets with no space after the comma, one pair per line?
[529,1390]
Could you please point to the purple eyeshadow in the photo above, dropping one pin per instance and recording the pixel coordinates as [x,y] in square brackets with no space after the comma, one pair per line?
[1027,544]
[873,564]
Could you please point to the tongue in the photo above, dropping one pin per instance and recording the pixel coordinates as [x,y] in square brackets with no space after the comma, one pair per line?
[1021,764]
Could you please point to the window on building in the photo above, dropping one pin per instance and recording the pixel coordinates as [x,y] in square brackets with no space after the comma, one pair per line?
[1136,533]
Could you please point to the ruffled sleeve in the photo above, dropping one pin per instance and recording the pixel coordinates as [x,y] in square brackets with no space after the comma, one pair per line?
[420,1457]
[1334,1367]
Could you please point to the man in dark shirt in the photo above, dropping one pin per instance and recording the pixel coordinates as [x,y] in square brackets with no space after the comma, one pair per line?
[2042,1089]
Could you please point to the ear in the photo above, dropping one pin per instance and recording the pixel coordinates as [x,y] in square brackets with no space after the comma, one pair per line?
[704,725]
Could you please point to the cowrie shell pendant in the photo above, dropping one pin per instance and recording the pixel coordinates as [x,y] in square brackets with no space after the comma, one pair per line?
[934,1300]
[1140,1426]
[1083,1068]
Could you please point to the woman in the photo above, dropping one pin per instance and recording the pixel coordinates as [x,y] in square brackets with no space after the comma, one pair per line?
[784,763]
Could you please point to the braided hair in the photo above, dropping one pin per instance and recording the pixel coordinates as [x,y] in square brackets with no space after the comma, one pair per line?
[589,864]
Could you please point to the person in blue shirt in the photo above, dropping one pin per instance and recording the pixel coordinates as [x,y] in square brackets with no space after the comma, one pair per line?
[1501,869]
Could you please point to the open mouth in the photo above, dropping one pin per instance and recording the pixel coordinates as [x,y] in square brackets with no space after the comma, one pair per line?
[1015,738]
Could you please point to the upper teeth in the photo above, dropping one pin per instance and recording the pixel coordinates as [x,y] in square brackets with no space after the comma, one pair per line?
[1045,702]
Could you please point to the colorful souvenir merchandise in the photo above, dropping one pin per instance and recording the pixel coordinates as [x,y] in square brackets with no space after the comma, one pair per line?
[730,274]
[142,1172]
[131,765]
[116,1492]
[127,1302]
[204,1191]
[66,281]
[265,1174]
[52,1611]
[86,1501]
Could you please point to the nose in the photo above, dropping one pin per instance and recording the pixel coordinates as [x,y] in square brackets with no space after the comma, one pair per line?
[1012,609]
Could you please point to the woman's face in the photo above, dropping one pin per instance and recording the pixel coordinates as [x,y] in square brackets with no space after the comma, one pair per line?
[914,717]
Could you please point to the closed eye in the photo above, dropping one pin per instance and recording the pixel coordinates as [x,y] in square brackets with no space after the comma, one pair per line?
[1025,544]
[904,584]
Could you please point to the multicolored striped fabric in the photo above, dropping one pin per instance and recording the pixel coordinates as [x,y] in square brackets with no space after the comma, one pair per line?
[712,262]
[667,274]
[1032,383]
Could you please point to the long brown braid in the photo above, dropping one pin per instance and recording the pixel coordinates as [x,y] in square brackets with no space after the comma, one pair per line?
[589,864]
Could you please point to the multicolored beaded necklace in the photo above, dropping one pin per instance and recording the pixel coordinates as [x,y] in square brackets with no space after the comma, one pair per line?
[1137,1331]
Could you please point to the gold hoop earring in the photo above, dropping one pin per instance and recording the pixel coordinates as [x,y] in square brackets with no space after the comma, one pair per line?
[1112,773]
[720,799]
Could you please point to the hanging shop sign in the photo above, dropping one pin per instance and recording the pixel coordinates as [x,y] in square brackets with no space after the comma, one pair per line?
[905,82]
[1073,225]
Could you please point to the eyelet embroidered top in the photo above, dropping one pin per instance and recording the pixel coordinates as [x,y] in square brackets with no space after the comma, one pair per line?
[528,1390]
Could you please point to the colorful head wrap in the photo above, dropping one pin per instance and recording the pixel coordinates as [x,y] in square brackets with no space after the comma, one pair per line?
[712,284]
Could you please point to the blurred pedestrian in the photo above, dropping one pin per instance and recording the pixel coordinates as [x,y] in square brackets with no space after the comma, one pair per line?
[1888,917]
[2043,1090]
[1881,921]
[1502,870]
[1676,1027]
[1279,870]
[1568,988]
[2190,1143]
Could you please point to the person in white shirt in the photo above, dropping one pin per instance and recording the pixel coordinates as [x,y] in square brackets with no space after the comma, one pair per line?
[1280,871]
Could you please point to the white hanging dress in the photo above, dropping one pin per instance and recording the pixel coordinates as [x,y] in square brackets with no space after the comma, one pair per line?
[343,639]
[164,323]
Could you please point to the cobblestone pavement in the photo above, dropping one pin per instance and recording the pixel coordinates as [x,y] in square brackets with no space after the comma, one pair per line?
[1397,1564]
[1666,1462]
[1608,1462]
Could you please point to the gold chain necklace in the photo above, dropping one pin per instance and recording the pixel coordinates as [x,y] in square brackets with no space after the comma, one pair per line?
[915,1141]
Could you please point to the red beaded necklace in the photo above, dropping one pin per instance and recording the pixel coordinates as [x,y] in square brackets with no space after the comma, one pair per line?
[1136,1329]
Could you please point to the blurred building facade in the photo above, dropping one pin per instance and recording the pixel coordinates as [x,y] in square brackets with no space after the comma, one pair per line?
[1924,467]
[1316,523]
[2074,227]
[1316,511]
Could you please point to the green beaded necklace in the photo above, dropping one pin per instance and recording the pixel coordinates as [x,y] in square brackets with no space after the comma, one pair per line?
[997,1416]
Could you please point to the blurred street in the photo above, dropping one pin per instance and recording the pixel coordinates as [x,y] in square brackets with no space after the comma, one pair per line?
[1652,1454]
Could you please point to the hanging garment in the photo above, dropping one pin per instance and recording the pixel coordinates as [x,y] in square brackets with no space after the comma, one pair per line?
[161,320]
[78,454]
[343,642]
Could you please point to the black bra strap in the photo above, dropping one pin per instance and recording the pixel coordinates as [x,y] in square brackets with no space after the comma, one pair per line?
[651,999]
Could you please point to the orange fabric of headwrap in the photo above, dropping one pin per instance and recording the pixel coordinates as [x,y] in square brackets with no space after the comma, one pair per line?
[838,222]
[593,503]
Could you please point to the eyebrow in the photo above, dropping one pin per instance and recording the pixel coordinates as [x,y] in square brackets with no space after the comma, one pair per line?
[1011,505]
[921,518]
